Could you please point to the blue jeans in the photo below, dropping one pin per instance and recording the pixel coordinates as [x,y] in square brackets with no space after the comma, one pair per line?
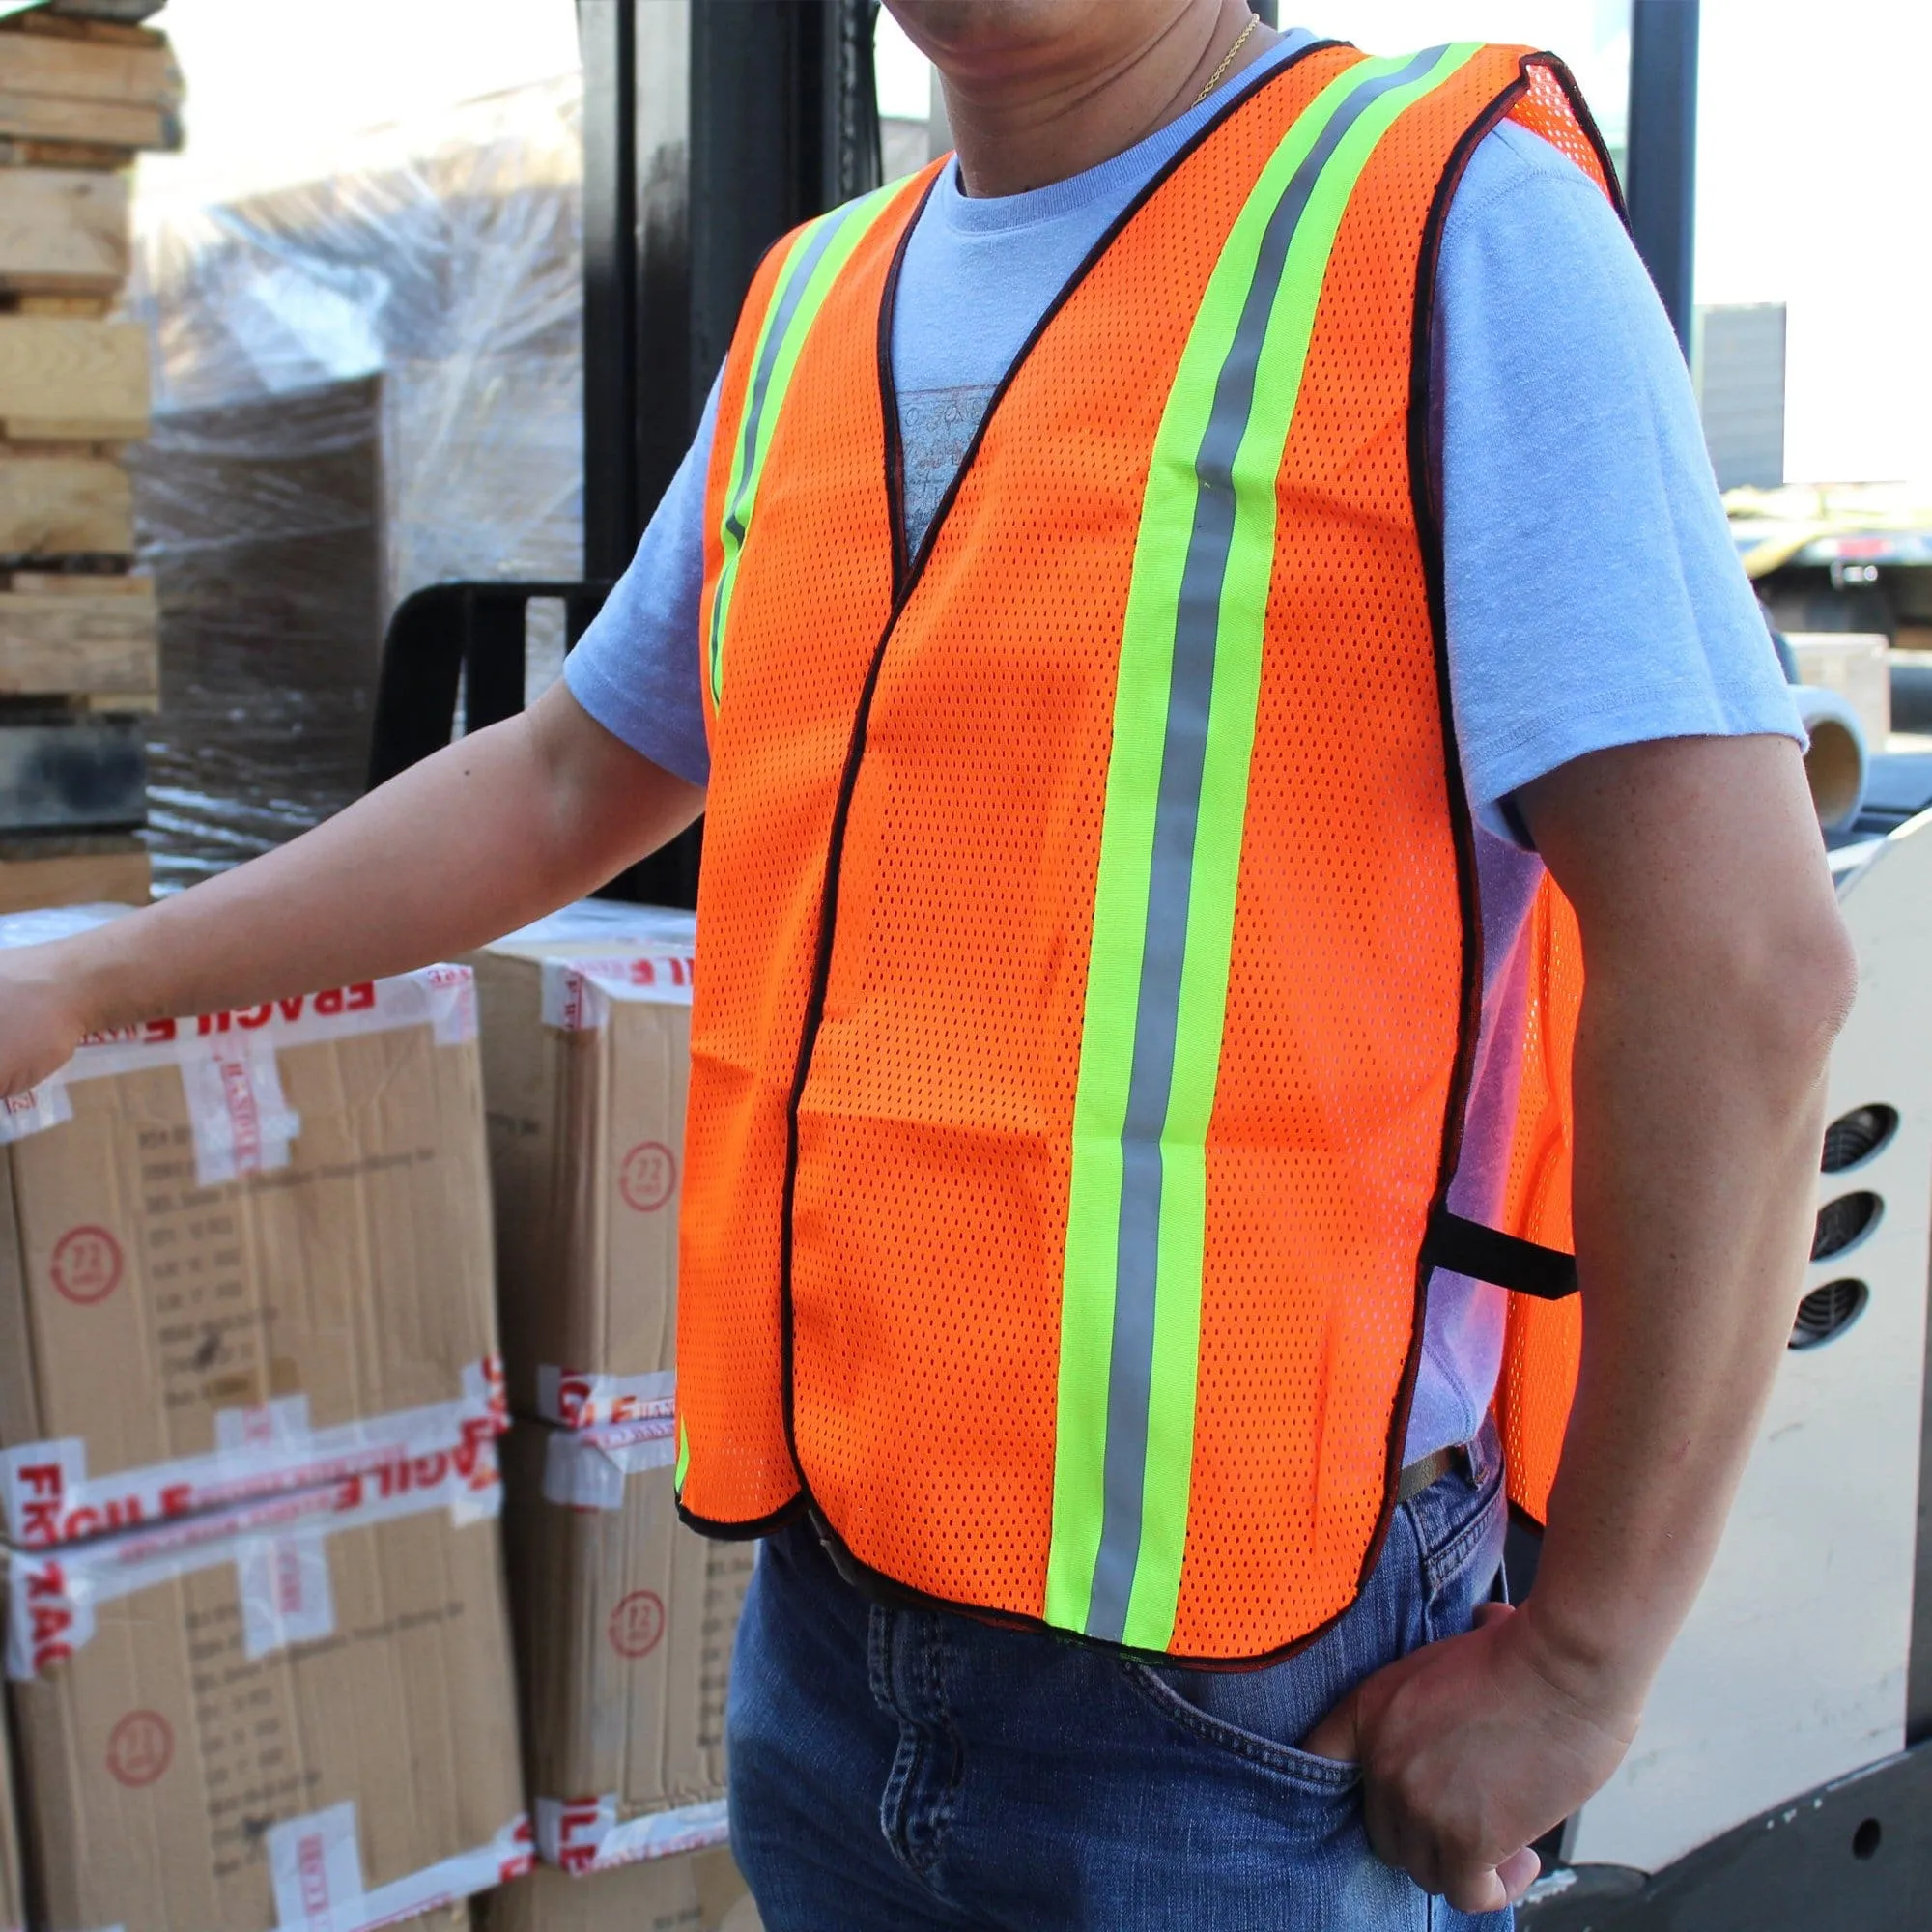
[897,1768]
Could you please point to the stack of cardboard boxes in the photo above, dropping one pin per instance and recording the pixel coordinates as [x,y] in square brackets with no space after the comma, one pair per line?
[624,1618]
[81,90]
[249,1402]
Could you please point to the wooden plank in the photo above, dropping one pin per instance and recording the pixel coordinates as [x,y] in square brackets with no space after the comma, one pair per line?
[82,583]
[105,124]
[52,644]
[70,68]
[63,231]
[63,155]
[65,506]
[93,306]
[105,870]
[72,379]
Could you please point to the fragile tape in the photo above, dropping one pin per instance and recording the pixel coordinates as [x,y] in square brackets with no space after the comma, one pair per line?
[582,1399]
[49,1498]
[443,998]
[578,993]
[315,1864]
[584,1834]
[276,1545]
[586,1468]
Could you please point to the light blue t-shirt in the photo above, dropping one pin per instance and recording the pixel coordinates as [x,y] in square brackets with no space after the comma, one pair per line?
[1593,594]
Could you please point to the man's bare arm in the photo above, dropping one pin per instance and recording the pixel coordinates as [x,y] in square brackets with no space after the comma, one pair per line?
[489,834]
[1718,974]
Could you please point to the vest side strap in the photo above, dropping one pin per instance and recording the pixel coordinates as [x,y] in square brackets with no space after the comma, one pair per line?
[1487,1254]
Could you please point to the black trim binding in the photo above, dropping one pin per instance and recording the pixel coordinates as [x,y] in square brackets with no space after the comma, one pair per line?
[1469,1003]
[1428,530]
[1559,71]
[1487,1254]
[743,1533]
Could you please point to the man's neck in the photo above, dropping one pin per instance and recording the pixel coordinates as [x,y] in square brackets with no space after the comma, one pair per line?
[1016,132]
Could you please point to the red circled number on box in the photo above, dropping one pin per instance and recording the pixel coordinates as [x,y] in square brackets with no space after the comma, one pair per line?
[638,1624]
[648,1177]
[141,1747]
[87,1264]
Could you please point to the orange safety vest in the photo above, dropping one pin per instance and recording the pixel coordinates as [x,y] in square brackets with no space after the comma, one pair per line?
[1088,957]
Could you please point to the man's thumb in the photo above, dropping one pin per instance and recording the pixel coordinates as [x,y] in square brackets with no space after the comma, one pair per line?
[1335,1736]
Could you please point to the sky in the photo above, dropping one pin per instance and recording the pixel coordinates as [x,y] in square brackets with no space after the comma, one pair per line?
[1813,170]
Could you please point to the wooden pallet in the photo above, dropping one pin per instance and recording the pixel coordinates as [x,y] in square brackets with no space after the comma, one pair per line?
[58,869]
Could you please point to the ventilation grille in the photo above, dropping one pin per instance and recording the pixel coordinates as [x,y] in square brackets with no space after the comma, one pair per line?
[1857,1136]
[1828,1311]
[1844,1222]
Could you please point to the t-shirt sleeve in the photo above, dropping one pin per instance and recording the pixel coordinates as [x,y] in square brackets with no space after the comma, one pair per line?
[636,667]
[1594,597]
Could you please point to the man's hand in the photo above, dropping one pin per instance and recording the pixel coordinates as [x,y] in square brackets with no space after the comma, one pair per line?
[1718,973]
[487,834]
[1469,1748]
[40,1021]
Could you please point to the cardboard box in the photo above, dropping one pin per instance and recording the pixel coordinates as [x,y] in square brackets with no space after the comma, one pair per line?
[691,1891]
[297,1712]
[243,1254]
[12,1908]
[624,1623]
[586,1050]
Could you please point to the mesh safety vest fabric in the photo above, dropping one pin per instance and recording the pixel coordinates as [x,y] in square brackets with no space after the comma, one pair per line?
[1088,962]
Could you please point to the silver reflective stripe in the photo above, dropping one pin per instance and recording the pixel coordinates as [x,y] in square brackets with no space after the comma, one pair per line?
[1184,745]
[761,377]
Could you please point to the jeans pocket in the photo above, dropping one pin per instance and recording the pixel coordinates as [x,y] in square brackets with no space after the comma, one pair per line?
[1460,1529]
[1324,1776]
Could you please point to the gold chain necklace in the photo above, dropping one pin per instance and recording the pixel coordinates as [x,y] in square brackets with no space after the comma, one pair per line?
[1228,59]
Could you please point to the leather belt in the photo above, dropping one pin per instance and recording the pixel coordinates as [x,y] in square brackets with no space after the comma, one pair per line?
[1430,1469]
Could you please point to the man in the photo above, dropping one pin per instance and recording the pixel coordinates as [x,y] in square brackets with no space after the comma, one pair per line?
[1123,901]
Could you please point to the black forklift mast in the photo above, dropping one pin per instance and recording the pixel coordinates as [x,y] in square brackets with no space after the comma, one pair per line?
[710,129]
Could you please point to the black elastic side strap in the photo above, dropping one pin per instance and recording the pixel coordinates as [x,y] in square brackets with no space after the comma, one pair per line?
[1487,1254]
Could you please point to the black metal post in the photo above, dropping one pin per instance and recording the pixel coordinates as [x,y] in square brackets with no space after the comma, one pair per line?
[1662,172]
[606,31]
[710,127]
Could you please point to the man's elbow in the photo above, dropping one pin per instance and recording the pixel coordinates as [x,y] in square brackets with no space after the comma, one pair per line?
[1802,986]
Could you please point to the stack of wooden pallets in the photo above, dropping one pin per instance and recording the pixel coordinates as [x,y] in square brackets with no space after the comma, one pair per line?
[83,87]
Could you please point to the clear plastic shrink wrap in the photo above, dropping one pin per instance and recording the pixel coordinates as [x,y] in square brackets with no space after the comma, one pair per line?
[363,384]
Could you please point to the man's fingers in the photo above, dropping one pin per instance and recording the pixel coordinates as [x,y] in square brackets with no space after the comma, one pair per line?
[1476,1893]
[1335,1736]
[1492,1614]
[1518,1872]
